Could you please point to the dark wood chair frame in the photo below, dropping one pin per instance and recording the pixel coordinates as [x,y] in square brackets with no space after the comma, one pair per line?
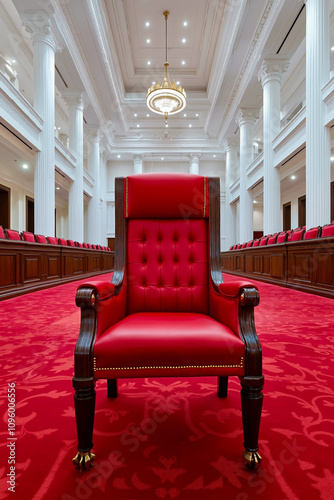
[84,381]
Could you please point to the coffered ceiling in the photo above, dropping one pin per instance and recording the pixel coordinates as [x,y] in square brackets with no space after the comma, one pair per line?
[115,49]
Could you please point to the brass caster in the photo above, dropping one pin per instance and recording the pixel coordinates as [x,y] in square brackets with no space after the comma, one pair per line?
[83,460]
[252,459]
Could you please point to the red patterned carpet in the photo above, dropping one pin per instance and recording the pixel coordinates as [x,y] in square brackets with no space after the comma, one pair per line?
[169,438]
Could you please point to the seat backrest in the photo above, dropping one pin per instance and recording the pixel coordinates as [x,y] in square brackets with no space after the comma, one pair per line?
[256,243]
[12,234]
[297,234]
[327,230]
[52,240]
[27,236]
[281,238]
[263,241]
[272,239]
[70,243]
[62,241]
[167,243]
[312,233]
[249,244]
[40,238]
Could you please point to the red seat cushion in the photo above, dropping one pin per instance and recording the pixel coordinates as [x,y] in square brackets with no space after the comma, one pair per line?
[263,241]
[327,230]
[167,344]
[311,233]
[297,235]
[28,236]
[13,235]
[167,265]
[272,240]
[281,238]
[40,238]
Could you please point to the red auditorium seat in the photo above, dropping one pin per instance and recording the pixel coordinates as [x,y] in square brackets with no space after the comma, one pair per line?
[256,243]
[40,238]
[90,246]
[314,232]
[249,244]
[243,245]
[79,245]
[282,237]
[238,246]
[2,233]
[52,240]
[85,245]
[327,230]
[12,234]
[297,234]
[263,241]
[26,236]
[62,241]
[70,243]
[272,239]
[175,317]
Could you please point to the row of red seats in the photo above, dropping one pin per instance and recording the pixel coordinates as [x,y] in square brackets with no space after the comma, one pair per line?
[11,234]
[297,234]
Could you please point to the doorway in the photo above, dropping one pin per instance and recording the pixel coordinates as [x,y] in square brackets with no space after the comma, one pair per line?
[4,206]
[302,211]
[287,216]
[30,210]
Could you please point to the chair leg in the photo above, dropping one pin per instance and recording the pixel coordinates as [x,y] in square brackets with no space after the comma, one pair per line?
[251,405]
[222,387]
[112,388]
[84,403]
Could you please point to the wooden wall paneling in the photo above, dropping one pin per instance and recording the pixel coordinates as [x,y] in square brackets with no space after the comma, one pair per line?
[277,266]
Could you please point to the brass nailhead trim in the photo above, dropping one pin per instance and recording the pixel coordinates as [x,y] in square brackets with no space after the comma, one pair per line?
[169,367]
[204,196]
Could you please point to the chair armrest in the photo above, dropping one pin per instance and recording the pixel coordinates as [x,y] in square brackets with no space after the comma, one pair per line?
[234,289]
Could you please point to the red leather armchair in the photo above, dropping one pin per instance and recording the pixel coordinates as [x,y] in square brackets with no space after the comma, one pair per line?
[167,311]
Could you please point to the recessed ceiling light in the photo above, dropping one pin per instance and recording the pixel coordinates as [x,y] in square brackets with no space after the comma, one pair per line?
[254,201]
[183,63]
[138,125]
[332,48]
[185,114]
[190,125]
[25,165]
[196,114]
[177,83]
[13,61]
[185,23]
[147,115]
[118,156]
[166,125]
[153,83]
[214,156]
[148,63]
[332,158]
[148,41]
[184,40]
[57,188]
[293,177]
[162,157]
[147,24]
[135,114]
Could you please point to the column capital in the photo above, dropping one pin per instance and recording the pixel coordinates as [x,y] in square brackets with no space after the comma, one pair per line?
[138,157]
[93,134]
[247,115]
[272,69]
[230,144]
[195,157]
[38,25]
[75,98]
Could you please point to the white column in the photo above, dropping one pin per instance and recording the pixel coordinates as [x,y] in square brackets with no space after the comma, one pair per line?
[231,166]
[76,105]
[45,46]
[194,163]
[246,120]
[271,78]
[138,164]
[318,168]
[94,206]
[103,196]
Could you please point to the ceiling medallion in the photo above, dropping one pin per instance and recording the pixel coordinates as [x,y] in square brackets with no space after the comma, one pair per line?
[166,98]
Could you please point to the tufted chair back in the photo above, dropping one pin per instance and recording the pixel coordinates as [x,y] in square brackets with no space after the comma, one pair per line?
[167,243]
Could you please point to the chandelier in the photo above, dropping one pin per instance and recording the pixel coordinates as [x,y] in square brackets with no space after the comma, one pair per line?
[166,98]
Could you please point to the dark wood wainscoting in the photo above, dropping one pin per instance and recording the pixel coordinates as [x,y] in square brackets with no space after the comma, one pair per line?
[306,265]
[26,267]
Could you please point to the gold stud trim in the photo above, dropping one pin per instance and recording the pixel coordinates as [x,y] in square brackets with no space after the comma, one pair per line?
[181,367]
[204,196]
[126,197]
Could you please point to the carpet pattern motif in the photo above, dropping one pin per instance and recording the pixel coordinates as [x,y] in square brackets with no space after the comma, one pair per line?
[169,438]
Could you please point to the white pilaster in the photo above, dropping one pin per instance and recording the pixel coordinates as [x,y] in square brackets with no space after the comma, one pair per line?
[138,164]
[194,163]
[318,169]
[76,104]
[246,120]
[103,194]
[271,78]
[38,25]
[94,207]
[231,166]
